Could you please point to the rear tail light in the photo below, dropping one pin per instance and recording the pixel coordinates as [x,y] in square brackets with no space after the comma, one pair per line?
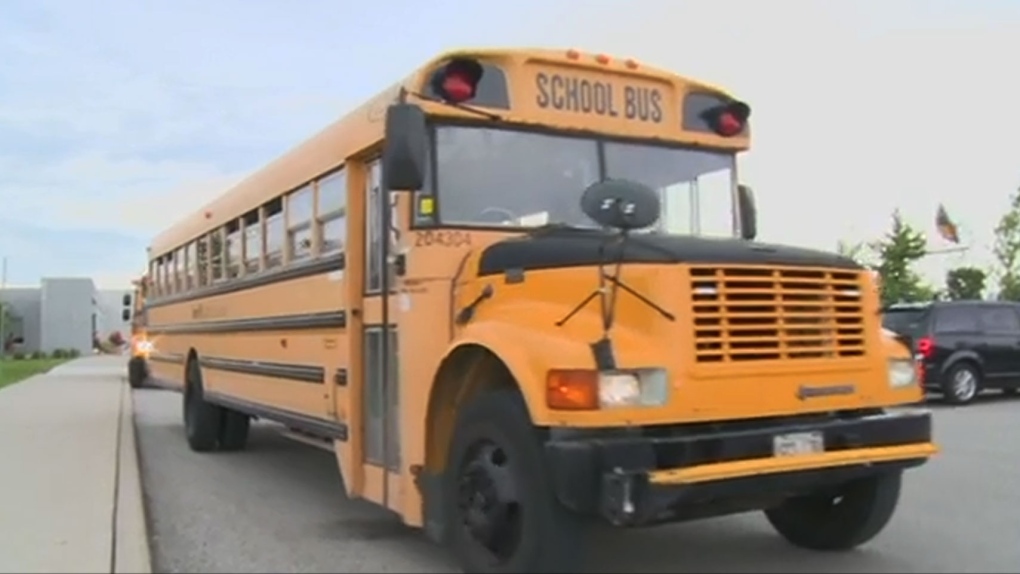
[925,347]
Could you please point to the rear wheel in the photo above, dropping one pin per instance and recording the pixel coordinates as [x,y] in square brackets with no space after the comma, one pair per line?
[962,383]
[234,432]
[136,372]
[839,520]
[503,516]
[202,420]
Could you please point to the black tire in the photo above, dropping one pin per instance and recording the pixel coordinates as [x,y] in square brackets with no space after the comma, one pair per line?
[202,420]
[541,535]
[954,390]
[136,372]
[234,430]
[842,520]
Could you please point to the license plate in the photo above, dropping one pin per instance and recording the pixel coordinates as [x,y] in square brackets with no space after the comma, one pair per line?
[798,443]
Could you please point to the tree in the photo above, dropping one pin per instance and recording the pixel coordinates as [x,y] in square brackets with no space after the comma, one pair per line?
[897,251]
[859,252]
[1007,250]
[965,283]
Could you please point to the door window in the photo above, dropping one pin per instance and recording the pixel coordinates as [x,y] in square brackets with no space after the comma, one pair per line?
[957,320]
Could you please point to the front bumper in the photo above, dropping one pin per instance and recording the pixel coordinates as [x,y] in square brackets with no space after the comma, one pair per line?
[664,474]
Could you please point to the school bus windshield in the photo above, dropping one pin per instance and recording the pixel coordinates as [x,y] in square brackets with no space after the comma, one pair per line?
[502,177]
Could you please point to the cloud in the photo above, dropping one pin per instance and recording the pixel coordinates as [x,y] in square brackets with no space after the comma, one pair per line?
[138,118]
[35,251]
[858,107]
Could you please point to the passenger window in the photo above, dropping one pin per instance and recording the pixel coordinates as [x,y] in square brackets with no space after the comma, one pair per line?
[252,241]
[179,270]
[332,210]
[956,320]
[274,233]
[333,233]
[1000,320]
[216,255]
[162,270]
[300,206]
[192,263]
[156,272]
[161,283]
[202,256]
[233,254]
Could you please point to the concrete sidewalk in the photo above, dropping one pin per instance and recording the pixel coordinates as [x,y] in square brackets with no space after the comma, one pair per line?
[70,493]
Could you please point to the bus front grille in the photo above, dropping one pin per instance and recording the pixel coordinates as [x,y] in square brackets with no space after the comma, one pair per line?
[759,314]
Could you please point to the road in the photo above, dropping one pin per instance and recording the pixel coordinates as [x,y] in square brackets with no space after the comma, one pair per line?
[279,507]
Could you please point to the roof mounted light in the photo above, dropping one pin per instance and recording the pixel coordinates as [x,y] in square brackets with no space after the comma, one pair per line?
[729,119]
[457,81]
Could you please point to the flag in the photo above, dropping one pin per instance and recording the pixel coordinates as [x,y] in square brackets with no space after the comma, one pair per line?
[946,227]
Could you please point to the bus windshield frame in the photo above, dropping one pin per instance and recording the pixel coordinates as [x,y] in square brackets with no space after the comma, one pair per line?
[544,172]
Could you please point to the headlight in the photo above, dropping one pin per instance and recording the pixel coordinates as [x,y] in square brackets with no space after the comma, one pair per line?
[902,373]
[145,347]
[633,388]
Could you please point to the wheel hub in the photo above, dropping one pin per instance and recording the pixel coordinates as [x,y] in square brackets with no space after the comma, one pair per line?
[487,499]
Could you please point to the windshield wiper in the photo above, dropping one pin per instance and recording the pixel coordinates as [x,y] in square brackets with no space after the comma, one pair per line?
[463,107]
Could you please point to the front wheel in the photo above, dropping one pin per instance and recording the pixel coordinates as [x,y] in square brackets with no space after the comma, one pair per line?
[503,516]
[842,519]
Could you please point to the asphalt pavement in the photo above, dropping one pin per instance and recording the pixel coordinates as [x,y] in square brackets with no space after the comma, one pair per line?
[280,507]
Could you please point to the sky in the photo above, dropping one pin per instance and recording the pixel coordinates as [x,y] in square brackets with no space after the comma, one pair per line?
[118,117]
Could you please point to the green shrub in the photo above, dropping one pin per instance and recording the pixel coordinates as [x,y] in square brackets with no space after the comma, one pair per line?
[39,355]
[18,356]
[59,354]
[73,353]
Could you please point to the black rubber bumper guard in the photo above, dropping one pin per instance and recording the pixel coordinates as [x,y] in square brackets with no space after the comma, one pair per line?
[606,472]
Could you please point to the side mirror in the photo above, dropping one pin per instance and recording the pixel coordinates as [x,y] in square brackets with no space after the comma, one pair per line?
[748,213]
[125,315]
[405,156]
[127,299]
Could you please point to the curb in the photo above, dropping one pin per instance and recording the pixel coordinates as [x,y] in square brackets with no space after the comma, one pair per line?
[131,537]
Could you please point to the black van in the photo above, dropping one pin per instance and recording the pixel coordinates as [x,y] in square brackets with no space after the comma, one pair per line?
[963,347]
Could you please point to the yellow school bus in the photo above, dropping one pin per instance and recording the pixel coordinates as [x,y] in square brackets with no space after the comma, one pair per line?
[134,311]
[491,291]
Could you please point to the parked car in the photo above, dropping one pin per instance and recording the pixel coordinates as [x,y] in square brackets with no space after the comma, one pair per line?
[962,347]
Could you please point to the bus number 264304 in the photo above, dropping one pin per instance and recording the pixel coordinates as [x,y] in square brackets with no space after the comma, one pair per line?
[442,239]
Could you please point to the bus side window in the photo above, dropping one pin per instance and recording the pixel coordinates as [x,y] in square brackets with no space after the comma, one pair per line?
[202,256]
[155,267]
[332,212]
[191,254]
[300,204]
[274,233]
[179,270]
[233,253]
[216,255]
[252,241]
[162,266]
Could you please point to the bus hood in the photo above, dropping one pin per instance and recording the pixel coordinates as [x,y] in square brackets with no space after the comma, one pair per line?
[557,248]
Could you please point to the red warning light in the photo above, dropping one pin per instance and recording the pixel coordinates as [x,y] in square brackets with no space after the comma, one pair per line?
[730,119]
[457,81]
